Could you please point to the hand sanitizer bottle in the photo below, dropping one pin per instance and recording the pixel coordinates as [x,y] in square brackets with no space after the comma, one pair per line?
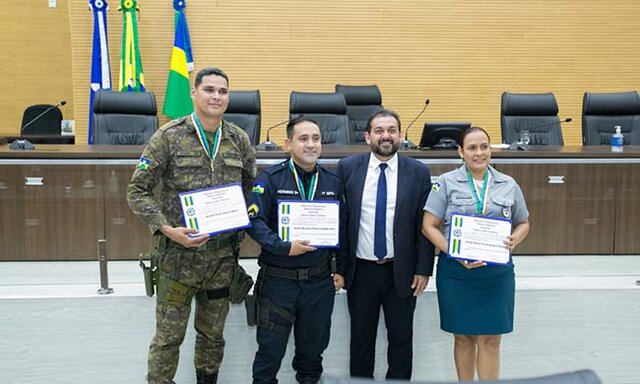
[617,140]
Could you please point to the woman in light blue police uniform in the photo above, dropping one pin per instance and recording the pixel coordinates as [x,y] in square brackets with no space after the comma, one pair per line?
[476,300]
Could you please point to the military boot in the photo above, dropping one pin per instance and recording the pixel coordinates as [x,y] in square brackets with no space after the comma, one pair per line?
[206,378]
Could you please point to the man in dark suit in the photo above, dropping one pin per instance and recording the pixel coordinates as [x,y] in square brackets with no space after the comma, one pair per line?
[390,259]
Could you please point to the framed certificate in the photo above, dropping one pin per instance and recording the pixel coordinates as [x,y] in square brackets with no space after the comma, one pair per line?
[316,221]
[215,210]
[479,238]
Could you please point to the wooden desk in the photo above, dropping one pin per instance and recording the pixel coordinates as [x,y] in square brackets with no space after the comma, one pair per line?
[58,200]
[41,139]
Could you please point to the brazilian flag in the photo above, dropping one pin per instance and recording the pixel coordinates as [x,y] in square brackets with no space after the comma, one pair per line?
[131,76]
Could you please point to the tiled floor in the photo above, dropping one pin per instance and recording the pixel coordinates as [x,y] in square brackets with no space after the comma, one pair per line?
[572,312]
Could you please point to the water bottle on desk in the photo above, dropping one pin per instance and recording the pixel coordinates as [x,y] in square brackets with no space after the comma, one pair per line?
[617,140]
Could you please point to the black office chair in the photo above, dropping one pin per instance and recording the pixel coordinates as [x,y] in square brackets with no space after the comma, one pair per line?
[362,102]
[329,110]
[535,112]
[244,111]
[124,118]
[584,376]
[601,112]
[48,124]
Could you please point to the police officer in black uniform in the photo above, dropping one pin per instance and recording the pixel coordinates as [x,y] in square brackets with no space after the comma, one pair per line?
[297,282]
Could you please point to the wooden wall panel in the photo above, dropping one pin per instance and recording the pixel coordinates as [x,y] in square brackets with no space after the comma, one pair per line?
[460,54]
[36,57]
[577,216]
[627,210]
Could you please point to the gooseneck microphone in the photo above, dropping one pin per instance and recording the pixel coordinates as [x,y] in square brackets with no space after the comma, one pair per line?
[406,143]
[40,115]
[567,120]
[268,145]
[23,144]
[520,146]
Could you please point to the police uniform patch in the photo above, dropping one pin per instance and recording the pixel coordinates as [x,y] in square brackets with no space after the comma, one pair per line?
[143,163]
[253,210]
[506,212]
[258,188]
[435,187]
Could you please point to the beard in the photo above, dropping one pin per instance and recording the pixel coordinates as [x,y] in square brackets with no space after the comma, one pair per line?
[375,148]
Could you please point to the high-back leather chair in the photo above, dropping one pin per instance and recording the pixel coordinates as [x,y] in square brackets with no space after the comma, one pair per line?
[362,102]
[329,110]
[47,124]
[124,118]
[244,111]
[535,112]
[601,112]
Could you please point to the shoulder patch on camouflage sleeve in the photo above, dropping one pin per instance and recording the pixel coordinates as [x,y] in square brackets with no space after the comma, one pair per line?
[253,210]
[143,163]
[258,188]
[435,187]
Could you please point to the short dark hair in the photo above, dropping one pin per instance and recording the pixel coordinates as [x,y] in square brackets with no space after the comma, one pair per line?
[473,128]
[207,71]
[297,120]
[384,112]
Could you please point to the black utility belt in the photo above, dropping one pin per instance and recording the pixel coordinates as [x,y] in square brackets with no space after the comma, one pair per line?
[297,274]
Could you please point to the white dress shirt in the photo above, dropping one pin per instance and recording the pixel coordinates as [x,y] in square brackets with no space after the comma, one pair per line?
[368,210]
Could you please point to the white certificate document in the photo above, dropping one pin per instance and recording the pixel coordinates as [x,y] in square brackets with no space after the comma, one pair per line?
[479,238]
[214,210]
[316,221]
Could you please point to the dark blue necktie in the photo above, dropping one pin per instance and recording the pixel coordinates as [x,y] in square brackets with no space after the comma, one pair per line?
[380,231]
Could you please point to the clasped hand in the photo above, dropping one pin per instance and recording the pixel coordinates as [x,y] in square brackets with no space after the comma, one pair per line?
[181,236]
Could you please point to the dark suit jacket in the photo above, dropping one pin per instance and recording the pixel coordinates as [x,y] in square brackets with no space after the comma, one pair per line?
[414,254]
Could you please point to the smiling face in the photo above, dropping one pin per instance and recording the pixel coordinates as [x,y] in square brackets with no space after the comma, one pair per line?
[211,97]
[383,136]
[305,144]
[476,152]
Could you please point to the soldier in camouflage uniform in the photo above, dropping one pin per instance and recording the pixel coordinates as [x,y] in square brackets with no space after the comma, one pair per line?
[194,152]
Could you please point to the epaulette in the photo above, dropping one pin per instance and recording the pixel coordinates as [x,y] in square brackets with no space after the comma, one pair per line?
[174,123]
[277,168]
[234,130]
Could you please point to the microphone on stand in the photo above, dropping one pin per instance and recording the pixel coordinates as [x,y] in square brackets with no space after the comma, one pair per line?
[40,115]
[518,145]
[268,145]
[23,144]
[406,143]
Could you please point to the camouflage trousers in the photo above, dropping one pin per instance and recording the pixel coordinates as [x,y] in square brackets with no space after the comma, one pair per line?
[185,275]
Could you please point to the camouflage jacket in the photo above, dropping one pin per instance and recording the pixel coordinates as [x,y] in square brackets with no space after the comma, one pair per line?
[175,157]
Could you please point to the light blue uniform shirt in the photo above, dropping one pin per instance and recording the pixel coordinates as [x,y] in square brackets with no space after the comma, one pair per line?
[452,194]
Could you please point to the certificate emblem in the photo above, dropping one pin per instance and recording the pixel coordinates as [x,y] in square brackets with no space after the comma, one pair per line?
[315,221]
[214,210]
[479,238]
